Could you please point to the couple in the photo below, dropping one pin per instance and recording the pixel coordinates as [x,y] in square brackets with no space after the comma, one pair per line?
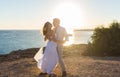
[53,52]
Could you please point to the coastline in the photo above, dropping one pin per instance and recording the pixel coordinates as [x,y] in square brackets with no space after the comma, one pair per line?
[20,63]
[30,52]
[18,54]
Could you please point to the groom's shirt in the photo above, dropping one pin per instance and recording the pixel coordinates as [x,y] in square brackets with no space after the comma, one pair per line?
[61,34]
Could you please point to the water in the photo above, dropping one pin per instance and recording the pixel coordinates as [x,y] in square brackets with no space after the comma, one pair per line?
[82,37]
[11,40]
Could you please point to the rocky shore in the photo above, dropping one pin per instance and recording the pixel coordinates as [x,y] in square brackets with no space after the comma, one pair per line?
[20,63]
[18,54]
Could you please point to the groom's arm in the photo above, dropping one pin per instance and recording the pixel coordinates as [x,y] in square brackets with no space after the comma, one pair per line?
[66,35]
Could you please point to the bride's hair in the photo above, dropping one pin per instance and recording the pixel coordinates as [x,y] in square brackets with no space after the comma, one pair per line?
[46,27]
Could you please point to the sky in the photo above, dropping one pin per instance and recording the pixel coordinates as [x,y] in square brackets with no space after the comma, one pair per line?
[77,14]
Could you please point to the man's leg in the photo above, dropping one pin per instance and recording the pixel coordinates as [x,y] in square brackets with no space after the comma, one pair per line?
[61,62]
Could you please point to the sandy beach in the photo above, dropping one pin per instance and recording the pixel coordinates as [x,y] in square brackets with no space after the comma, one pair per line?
[20,63]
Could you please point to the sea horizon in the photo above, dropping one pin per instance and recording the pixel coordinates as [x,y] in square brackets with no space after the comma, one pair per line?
[11,40]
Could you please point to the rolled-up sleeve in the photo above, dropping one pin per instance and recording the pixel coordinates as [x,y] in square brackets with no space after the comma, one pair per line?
[66,35]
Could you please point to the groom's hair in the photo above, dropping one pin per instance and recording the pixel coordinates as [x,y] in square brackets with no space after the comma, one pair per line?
[56,20]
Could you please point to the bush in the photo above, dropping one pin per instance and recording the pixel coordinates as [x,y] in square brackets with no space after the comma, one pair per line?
[105,41]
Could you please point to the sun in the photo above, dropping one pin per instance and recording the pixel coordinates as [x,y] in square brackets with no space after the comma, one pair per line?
[69,13]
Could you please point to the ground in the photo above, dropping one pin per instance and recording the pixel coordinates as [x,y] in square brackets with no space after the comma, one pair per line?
[77,65]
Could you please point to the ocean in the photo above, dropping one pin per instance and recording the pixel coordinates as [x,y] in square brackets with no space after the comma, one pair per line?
[11,40]
[82,36]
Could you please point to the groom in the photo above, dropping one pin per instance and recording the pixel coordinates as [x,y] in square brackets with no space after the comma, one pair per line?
[61,37]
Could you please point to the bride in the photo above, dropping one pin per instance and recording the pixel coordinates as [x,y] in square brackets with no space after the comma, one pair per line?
[46,62]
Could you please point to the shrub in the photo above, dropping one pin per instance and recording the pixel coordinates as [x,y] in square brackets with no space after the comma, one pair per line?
[105,41]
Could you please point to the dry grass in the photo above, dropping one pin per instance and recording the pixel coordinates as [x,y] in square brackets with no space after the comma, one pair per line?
[77,66]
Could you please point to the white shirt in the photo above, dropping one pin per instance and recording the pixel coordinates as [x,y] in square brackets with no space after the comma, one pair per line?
[61,34]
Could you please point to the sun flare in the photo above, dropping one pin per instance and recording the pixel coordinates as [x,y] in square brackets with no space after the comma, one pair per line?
[70,41]
[71,17]
[69,13]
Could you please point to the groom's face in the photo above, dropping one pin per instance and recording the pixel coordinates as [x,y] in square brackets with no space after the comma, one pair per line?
[56,23]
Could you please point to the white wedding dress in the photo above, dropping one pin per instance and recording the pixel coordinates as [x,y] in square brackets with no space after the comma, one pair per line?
[46,62]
